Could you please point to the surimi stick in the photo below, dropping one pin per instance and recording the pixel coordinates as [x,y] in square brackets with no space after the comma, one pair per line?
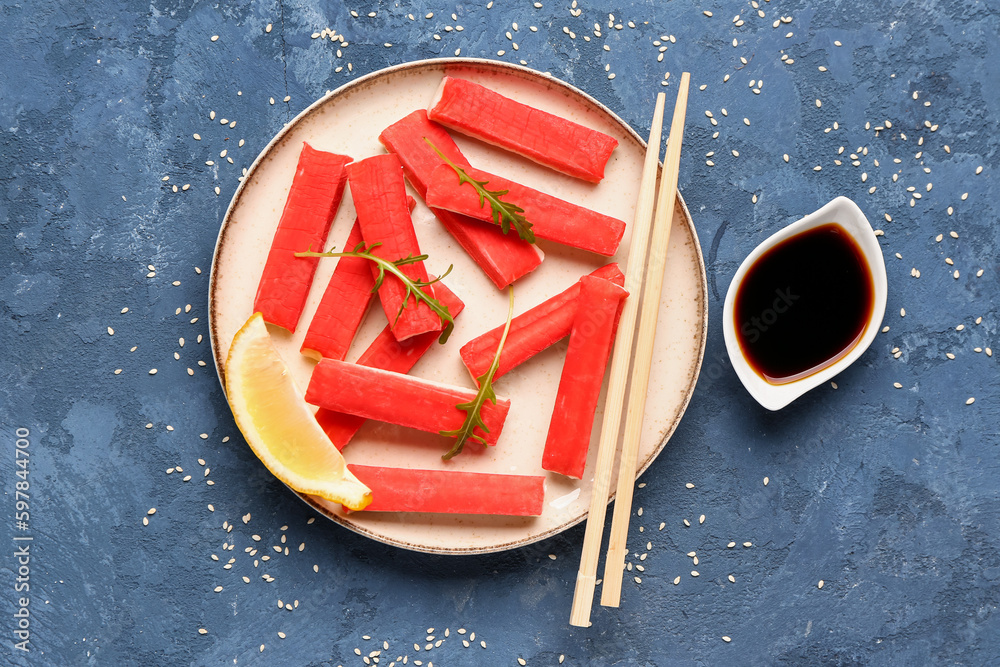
[312,203]
[387,353]
[532,331]
[555,142]
[503,257]
[551,218]
[451,492]
[380,200]
[394,398]
[590,343]
[344,304]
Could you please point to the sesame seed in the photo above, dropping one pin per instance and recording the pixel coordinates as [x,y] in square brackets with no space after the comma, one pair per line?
[970,400]
[215,38]
[897,385]
[820,584]
[694,573]
[726,638]
[732,579]
[748,544]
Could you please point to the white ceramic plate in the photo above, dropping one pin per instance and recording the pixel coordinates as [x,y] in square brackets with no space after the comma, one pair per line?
[348,121]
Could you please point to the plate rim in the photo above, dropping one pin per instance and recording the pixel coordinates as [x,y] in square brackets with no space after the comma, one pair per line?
[526,73]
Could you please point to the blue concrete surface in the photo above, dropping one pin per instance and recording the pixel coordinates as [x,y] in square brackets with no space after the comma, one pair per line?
[889,496]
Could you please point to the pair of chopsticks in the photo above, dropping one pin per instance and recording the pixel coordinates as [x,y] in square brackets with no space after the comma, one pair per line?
[639,278]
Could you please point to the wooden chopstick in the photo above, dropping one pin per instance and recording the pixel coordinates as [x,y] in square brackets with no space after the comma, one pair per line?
[611,590]
[583,596]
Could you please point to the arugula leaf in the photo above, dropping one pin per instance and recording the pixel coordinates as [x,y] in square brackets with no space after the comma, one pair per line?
[473,409]
[413,286]
[504,213]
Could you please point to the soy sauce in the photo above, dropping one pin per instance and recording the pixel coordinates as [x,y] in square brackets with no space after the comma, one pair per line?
[804,304]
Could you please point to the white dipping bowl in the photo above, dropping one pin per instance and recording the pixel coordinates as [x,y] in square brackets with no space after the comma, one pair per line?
[845,213]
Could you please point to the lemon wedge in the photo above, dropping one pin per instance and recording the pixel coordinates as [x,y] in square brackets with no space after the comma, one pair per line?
[278,424]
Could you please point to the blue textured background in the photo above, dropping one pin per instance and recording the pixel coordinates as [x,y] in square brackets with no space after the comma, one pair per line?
[888,495]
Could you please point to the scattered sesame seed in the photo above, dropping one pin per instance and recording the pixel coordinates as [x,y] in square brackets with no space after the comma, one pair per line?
[748,544]
[732,579]
[970,400]
[726,638]
[820,584]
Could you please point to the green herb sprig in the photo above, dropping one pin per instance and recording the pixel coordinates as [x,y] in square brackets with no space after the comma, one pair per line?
[413,286]
[505,213]
[473,409]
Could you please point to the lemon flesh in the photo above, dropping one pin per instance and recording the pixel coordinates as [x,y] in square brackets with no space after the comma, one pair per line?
[278,424]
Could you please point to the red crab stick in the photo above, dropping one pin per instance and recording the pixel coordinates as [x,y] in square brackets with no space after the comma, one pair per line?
[387,353]
[380,199]
[451,492]
[390,397]
[313,200]
[552,218]
[555,142]
[344,303]
[590,342]
[503,257]
[531,331]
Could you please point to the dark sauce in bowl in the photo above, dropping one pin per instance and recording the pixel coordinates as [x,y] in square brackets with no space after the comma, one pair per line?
[804,304]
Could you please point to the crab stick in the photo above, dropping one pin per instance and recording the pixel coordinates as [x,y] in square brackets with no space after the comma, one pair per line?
[380,200]
[547,139]
[312,203]
[532,331]
[399,399]
[344,303]
[451,492]
[590,342]
[503,257]
[387,353]
[551,218]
